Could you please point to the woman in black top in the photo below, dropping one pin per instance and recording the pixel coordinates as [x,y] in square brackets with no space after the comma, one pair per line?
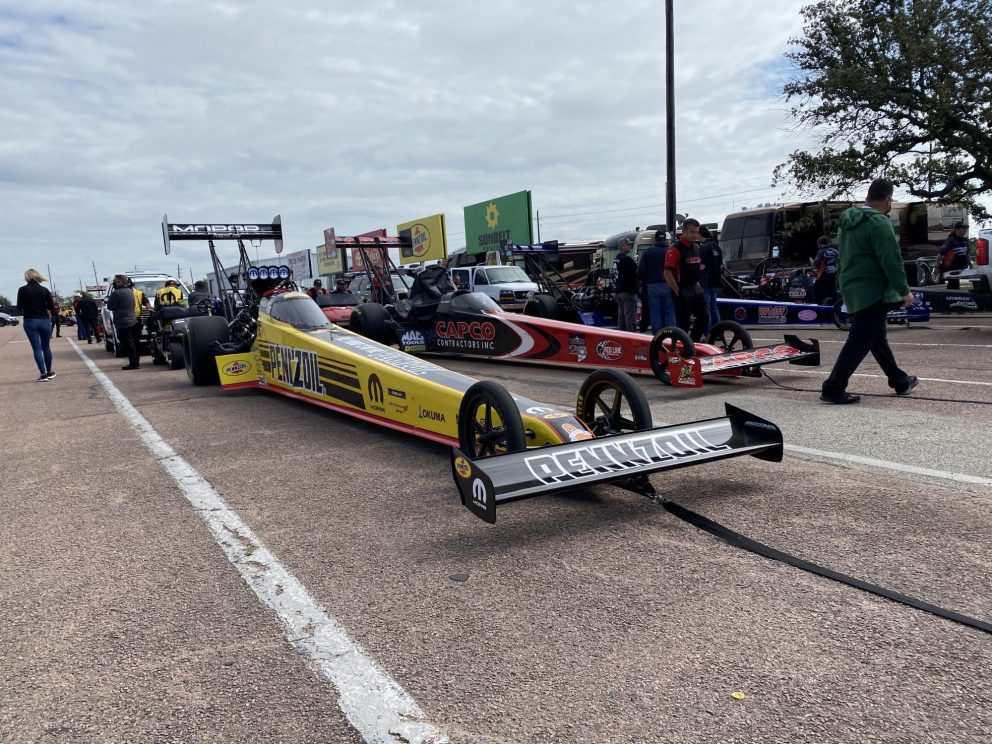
[37,306]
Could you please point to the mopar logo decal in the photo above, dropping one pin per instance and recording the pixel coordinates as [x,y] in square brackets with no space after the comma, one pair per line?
[479,496]
[195,229]
[236,368]
[296,367]
[609,350]
[376,394]
[575,463]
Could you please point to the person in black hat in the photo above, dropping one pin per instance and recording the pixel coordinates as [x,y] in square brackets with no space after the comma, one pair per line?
[954,253]
[317,289]
[625,281]
[340,286]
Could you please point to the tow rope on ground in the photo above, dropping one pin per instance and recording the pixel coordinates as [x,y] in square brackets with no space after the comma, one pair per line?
[753,546]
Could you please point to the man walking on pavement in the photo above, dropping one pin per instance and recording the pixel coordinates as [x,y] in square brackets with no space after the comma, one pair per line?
[872,280]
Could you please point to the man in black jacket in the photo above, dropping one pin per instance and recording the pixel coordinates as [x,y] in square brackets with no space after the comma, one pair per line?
[712,277]
[625,281]
[126,324]
[88,314]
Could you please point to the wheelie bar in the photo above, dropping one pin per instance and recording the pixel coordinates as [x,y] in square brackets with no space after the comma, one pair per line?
[489,481]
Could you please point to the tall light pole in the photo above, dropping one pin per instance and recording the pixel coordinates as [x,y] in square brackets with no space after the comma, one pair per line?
[670,116]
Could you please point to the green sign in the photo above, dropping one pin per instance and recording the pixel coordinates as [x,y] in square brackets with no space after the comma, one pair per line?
[491,224]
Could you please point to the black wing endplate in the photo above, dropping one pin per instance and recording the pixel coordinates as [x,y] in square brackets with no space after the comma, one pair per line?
[244,231]
[489,481]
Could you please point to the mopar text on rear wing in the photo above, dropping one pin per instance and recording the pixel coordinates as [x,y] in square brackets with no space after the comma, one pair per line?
[243,231]
[624,459]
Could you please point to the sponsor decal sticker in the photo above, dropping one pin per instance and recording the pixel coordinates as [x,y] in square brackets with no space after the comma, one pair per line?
[740,313]
[574,433]
[463,467]
[538,410]
[556,415]
[376,396]
[237,368]
[413,341]
[424,413]
[394,393]
[771,314]
[807,315]
[609,350]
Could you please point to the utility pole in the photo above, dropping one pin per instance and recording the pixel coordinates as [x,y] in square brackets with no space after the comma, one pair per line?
[50,280]
[538,225]
[670,116]
[95,279]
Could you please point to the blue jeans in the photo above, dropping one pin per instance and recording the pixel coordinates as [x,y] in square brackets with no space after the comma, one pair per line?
[712,307]
[82,334]
[39,333]
[661,306]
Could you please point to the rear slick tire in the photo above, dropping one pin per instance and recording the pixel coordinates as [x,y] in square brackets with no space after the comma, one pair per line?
[199,336]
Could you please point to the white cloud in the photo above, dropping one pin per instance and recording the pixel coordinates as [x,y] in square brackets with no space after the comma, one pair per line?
[362,116]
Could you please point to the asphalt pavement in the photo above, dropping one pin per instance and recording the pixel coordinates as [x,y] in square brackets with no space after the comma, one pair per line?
[591,616]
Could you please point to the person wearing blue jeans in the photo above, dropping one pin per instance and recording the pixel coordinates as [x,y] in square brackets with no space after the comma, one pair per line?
[37,306]
[661,305]
[651,272]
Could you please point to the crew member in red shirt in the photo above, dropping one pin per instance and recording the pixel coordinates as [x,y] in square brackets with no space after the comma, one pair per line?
[683,269]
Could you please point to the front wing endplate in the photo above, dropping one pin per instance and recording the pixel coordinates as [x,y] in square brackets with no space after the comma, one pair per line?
[489,481]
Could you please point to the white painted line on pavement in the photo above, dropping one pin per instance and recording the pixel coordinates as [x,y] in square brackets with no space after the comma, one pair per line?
[375,704]
[891,343]
[922,379]
[886,464]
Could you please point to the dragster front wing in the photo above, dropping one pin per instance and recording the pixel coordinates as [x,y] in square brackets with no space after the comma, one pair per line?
[489,481]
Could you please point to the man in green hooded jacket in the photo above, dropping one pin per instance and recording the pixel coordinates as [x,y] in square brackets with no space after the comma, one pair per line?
[872,281]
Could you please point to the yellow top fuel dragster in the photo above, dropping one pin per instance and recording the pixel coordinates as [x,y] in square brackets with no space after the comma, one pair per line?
[504,447]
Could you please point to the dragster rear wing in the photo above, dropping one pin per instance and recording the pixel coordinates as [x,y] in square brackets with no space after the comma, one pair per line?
[177,231]
[489,481]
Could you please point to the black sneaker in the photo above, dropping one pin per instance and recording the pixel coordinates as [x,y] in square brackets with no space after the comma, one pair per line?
[42,378]
[907,387]
[840,400]
[131,366]
[49,375]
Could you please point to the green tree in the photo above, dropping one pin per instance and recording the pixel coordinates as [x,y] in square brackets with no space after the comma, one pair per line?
[4,300]
[894,88]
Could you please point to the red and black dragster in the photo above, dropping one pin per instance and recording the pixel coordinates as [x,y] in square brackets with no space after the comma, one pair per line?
[438,318]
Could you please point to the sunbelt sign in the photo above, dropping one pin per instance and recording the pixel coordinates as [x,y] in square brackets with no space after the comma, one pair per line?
[491,224]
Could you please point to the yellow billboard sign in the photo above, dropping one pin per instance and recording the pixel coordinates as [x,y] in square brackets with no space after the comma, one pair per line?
[330,256]
[428,241]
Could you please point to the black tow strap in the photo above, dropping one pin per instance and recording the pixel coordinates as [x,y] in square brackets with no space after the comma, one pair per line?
[734,538]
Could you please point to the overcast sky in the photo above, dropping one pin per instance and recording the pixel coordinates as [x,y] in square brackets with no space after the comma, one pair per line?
[364,115]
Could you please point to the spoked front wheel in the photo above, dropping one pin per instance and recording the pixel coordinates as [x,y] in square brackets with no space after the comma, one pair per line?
[489,422]
[678,344]
[611,402]
[729,335]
